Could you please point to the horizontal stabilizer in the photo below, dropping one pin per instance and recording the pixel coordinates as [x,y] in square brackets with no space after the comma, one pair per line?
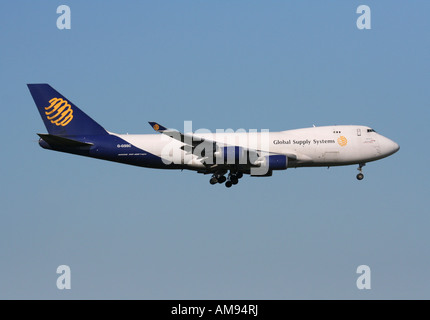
[56,140]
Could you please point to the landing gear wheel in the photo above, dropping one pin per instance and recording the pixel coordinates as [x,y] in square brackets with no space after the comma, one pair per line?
[222,179]
[239,175]
[360,176]
[228,184]
[213,180]
[234,179]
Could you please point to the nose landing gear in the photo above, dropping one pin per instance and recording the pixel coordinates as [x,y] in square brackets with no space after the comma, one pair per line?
[360,176]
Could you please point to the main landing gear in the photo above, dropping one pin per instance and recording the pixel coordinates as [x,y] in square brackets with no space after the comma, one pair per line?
[217,179]
[233,178]
[360,176]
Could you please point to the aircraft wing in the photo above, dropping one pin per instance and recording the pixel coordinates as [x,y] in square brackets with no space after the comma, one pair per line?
[199,146]
[186,138]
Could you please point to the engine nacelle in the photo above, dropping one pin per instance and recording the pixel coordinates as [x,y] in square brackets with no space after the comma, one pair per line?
[267,164]
[231,155]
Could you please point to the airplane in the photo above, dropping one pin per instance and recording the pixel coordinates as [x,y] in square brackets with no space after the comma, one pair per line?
[226,156]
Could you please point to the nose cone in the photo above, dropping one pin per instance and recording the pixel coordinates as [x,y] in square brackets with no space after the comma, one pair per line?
[388,146]
[395,147]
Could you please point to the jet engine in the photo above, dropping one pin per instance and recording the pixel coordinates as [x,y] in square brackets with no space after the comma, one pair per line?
[265,165]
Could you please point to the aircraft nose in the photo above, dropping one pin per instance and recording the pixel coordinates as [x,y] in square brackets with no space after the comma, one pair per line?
[389,146]
[395,147]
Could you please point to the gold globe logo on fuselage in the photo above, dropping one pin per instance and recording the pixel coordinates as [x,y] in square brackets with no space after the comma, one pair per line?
[59,112]
[342,141]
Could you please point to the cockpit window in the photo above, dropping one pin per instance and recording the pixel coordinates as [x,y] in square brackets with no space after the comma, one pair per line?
[370,130]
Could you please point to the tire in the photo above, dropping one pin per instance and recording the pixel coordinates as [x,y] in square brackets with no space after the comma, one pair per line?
[360,176]
[213,180]
[228,184]
[234,179]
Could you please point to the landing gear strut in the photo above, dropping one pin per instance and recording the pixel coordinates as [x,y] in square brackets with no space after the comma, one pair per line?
[360,176]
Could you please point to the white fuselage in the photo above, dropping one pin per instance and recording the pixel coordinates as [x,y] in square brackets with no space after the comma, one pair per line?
[307,147]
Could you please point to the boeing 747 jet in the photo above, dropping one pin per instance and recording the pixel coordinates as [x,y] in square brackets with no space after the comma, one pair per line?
[226,156]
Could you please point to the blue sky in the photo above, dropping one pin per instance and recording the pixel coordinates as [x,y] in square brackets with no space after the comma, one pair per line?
[134,233]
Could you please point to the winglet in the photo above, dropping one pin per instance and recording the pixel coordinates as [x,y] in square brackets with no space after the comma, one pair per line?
[157,127]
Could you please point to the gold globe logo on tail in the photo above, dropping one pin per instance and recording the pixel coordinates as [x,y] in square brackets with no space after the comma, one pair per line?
[342,141]
[59,112]
[156,127]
